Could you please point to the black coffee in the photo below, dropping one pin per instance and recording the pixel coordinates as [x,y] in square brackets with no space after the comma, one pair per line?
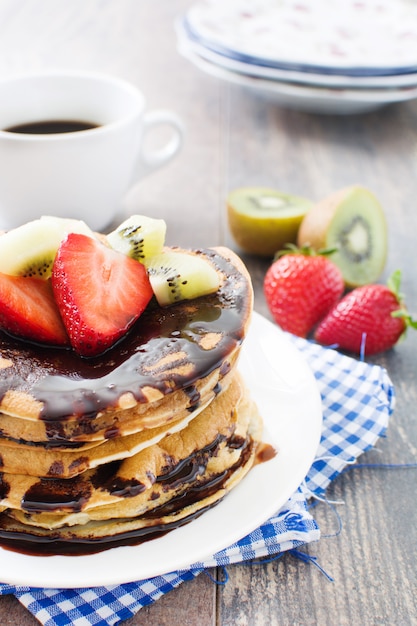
[49,127]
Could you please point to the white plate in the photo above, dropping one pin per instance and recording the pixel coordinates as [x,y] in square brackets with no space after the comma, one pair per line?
[357,38]
[289,401]
[313,99]
[291,76]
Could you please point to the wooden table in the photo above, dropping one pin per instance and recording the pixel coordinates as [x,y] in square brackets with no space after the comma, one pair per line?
[234,139]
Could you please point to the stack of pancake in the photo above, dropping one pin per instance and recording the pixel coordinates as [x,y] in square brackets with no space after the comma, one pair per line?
[120,448]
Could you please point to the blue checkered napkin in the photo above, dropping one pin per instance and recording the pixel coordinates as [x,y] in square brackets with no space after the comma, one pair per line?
[291,527]
[358,400]
[101,606]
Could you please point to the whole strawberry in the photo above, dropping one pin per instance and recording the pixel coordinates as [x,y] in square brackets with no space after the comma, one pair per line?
[367,320]
[300,288]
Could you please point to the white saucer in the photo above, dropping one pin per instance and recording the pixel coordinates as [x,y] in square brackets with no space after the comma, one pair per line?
[315,78]
[309,98]
[371,37]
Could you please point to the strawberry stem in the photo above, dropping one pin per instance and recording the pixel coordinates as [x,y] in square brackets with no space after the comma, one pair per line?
[394,283]
[306,250]
[410,322]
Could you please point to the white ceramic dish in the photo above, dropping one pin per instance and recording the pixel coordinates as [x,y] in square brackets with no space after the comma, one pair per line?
[291,76]
[370,37]
[312,99]
[290,403]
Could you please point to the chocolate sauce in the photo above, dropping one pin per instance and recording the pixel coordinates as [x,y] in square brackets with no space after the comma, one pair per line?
[56,469]
[4,487]
[48,445]
[194,395]
[48,495]
[71,495]
[200,490]
[187,470]
[105,478]
[76,464]
[68,385]
[49,127]
[265,452]
[52,544]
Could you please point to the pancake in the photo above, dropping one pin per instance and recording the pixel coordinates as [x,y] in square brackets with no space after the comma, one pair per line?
[59,462]
[172,360]
[120,483]
[112,449]
[69,462]
[166,485]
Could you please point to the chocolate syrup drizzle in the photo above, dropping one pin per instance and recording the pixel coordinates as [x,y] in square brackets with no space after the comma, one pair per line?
[68,385]
[185,472]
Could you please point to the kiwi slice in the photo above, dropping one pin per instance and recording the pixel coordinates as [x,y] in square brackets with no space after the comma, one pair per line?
[263,220]
[139,237]
[30,249]
[178,275]
[352,222]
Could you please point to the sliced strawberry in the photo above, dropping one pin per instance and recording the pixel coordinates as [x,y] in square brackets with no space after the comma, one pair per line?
[28,310]
[100,292]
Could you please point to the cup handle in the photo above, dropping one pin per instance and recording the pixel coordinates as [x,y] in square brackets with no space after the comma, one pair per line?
[150,160]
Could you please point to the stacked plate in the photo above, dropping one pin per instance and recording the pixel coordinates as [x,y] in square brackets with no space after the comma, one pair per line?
[347,56]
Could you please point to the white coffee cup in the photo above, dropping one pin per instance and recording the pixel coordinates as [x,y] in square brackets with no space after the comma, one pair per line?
[84,174]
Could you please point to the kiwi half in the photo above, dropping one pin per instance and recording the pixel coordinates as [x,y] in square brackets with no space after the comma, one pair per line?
[263,220]
[30,249]
[352,222]
[139,237]
[177,275]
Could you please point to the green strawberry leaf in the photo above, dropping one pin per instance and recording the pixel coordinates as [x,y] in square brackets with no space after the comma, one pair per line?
[405,315]
[305,249]
[394,283]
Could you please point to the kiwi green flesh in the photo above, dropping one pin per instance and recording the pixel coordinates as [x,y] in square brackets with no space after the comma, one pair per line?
[131,242]
[267,203]
[358,232]
[177,276]
[263,220]
[39,268]
[30,249]
[139,237]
